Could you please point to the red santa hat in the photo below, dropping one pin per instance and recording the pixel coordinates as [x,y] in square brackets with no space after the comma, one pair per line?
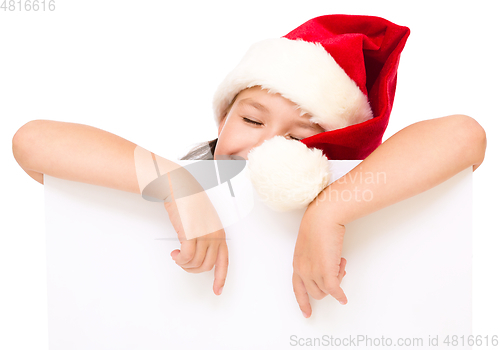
[341,70]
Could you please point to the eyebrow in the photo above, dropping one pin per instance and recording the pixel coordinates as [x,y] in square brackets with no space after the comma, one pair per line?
[255,104]
[311,125]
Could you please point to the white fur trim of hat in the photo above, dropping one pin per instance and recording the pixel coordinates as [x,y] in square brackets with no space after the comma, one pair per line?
[302,72]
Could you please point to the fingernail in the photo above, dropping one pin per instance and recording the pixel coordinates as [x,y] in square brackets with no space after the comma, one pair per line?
[220,291]
[303,313]
[342,302]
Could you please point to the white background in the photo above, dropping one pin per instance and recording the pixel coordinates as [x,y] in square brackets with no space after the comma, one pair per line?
[147,70]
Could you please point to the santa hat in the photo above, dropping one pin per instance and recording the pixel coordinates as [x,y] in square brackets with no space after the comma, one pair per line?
[341,70]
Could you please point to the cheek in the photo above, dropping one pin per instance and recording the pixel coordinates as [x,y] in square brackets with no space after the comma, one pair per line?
[226,141]
[233,138]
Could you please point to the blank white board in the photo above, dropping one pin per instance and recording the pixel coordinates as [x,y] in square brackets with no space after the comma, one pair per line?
[113,285]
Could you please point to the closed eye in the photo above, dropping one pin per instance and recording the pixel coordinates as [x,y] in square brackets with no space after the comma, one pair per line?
[251,121]
[257,123]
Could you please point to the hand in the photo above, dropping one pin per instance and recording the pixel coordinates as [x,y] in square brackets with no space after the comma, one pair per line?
[318,268]
[201,253]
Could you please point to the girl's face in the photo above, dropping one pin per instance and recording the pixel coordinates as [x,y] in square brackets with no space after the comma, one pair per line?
[256,116]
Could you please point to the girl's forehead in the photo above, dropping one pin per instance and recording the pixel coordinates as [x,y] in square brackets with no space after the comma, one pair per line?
[256,91]
[259,98]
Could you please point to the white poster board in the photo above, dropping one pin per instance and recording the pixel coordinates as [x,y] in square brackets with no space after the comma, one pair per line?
[113,285]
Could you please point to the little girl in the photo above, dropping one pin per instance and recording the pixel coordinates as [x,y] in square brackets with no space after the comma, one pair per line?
[324,91]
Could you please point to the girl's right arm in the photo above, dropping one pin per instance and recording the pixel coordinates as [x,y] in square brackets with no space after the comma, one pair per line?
[90,155]
[75,152]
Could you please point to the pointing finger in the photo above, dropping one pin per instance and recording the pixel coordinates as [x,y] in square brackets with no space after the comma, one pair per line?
[301,295]
[221,265]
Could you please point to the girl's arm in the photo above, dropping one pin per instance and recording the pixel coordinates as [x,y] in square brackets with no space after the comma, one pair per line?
[76,152]
[412,161]
[86,154]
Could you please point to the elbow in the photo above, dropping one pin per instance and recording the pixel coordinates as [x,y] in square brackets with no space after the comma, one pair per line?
[473,139]
[23,142]
[18,144]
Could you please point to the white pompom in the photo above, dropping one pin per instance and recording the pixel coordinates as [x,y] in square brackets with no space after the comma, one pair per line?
[287,174]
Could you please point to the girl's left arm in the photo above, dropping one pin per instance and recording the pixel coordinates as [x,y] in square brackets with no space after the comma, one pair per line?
[412,161]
